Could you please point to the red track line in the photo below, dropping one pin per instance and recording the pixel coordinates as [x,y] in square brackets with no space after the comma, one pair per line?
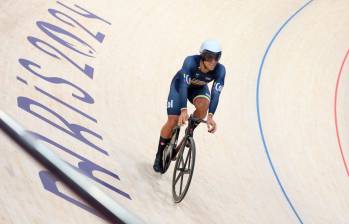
[335,112]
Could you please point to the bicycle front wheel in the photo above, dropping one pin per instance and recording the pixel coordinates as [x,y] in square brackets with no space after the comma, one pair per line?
[184,169]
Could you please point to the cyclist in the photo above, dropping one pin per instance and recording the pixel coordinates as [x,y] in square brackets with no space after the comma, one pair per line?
[190,82]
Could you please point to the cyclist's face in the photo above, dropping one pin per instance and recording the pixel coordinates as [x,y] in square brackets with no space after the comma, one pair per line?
[210,64]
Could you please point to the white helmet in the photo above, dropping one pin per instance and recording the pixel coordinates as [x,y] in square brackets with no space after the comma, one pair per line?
[210,49]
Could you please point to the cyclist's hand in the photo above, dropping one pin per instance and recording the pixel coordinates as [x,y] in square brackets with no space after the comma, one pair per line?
[183,117]
[211,125]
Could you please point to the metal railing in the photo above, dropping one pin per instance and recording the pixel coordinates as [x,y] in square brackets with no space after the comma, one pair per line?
[79,183]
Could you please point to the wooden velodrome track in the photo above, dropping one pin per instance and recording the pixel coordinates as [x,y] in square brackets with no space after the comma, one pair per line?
[91,81]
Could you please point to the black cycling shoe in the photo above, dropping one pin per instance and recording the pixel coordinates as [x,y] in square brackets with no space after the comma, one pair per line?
[158,164]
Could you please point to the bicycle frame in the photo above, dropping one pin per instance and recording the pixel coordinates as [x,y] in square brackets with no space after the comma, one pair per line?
[172,149]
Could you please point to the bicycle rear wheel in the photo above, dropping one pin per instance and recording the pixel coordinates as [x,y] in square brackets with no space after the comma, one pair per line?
[167,154]
[183,171]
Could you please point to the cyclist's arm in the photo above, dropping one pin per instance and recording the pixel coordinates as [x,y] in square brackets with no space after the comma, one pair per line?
[184,82]
[216,90]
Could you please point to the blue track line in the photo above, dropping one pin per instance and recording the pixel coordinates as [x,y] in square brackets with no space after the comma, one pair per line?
[259,114]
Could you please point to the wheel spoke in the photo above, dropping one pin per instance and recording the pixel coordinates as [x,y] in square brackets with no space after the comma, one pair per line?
[180,188]
[182,161]
[179,175]
[186,159]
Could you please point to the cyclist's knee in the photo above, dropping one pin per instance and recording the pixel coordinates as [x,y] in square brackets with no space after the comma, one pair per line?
[201,104]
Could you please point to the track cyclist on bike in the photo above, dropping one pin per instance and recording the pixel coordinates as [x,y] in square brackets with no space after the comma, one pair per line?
[191,83]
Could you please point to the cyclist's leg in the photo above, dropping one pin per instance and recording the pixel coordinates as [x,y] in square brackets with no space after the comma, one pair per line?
[201,104]
[173,112]
[173,109]
[201,100]
[166,130]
